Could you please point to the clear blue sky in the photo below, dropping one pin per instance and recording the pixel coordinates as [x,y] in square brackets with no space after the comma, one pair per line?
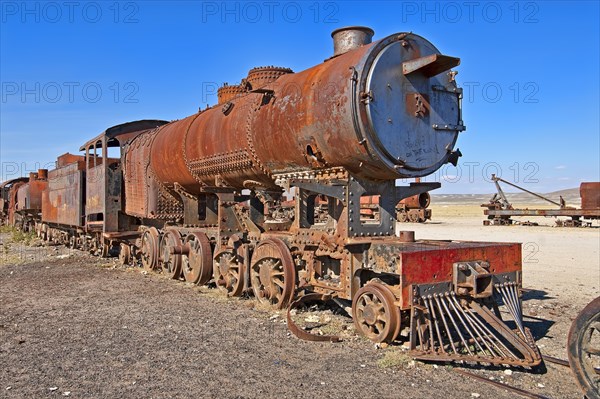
[530,72]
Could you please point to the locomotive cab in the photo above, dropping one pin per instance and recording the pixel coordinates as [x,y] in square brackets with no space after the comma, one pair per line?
[104,177]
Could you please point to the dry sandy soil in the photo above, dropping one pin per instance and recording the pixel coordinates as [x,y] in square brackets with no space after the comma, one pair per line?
[77,326]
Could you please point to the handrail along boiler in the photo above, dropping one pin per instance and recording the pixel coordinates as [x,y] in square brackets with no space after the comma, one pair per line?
[201,198]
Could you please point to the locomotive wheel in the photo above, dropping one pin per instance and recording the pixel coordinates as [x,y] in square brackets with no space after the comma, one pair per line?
[228,271]
[170,262]
[73,242]
[92,246]
[85,243]
[43,232]
[375,314]
[105,249]
[402,217]
[150,249]
[199,268]
[413,216]
[272,273]
[584,349]
[124,254]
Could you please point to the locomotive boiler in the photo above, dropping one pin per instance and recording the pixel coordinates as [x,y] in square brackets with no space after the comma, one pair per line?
[381,111]
[201,199]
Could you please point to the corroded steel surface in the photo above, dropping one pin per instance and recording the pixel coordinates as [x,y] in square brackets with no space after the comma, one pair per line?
[13,199]
[227,92]
[260,76]
[136,177]
[95,190]
[424,261]
[145,196]
[29,196]
[590,195]
[63,202]
[68,158]
[422,200]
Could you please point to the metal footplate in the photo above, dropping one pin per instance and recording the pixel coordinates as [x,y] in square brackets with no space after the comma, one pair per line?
[460,321]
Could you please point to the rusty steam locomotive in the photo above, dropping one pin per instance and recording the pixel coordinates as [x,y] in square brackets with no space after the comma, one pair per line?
[200,199]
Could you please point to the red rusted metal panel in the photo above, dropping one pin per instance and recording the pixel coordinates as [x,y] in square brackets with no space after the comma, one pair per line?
[29,196]
[429,262]
[36,188]
[63,201]
[135,173]
[417,201]
[67,159]
[23,197]
[95,190]
[590,195]
[369,200]
[6,193]
[96,186]
[145,195]
[13,200]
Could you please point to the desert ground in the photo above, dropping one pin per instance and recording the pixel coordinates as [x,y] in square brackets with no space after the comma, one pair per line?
[72,325]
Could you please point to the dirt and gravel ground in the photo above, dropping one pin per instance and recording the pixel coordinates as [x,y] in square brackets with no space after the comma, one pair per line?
[77,326]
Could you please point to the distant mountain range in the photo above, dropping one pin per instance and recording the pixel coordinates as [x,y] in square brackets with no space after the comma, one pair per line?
[571,196]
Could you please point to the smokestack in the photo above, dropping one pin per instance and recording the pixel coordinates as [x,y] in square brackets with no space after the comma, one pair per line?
[350,38]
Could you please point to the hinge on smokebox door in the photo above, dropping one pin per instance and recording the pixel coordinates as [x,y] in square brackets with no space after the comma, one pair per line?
[366,97]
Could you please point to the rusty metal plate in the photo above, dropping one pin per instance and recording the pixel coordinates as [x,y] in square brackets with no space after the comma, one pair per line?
[63,201]
[590,195]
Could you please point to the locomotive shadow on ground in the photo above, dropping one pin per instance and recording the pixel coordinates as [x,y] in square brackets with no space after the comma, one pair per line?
[538,326]
[535,294]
